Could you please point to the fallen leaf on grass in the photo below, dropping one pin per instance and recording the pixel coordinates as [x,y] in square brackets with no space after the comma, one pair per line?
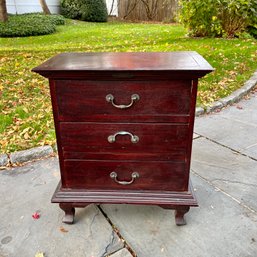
[62,229]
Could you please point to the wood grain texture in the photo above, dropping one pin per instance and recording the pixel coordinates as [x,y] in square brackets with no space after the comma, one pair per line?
[83,100]
[157,141]
[151,61]
[161,176]
[115,66]
[81,197]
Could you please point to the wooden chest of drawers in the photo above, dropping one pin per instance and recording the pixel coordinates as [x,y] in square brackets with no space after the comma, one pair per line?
[124,127]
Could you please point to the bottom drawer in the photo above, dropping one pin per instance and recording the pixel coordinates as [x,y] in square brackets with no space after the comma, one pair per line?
[108,175]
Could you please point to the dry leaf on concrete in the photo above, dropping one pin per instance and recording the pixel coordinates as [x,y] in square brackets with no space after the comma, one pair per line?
[39,255]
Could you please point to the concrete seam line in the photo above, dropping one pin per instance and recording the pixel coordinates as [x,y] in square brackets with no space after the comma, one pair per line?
[231,149]
[217,189]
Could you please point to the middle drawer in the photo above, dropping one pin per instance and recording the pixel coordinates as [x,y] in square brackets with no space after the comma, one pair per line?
[124,141]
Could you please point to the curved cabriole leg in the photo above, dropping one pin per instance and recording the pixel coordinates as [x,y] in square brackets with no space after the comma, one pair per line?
[179,215]
[69,213]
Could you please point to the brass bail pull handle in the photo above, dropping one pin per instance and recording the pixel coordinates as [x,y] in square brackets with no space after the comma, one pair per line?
[133,138]
[110,99]
[114,176]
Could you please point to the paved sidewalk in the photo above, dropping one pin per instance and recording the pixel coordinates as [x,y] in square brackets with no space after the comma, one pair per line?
[224,175]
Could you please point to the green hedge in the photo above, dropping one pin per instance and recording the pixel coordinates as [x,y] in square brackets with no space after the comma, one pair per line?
[86,10]
[32,24]
[218,18]
[252,30]
[95,11]
[71,8]
[56,19]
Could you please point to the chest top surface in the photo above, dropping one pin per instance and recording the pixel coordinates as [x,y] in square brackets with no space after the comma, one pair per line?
[172,62]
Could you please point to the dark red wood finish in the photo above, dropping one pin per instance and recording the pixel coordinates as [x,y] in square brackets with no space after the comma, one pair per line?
[157,141]
[95,175]
[82,100]
[162,119]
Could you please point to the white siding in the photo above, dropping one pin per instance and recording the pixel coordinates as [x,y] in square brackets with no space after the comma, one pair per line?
[27,6]
[115,7]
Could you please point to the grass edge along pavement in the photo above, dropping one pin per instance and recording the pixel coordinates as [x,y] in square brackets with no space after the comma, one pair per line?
[230,99]
[36,153]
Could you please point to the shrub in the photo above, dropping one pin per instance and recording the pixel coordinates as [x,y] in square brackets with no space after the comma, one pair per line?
[94,10]
[236,15]
[87,10]
[218,17]
[32,24]
[71,8]
[252,30]
[200,17]
[56,19]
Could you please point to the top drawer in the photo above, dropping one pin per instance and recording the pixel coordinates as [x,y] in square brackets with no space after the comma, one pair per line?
[155,101]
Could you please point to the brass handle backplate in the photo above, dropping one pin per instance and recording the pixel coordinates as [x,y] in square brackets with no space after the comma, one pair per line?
[133,138]
[110,99]
[114,176]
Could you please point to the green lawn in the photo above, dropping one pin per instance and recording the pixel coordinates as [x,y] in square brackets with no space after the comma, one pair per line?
[25,117]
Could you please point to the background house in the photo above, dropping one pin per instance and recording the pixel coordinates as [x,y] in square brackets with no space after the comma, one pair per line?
[28,6]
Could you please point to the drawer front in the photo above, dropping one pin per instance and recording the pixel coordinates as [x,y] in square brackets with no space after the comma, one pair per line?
[155,100]
[108,175]
[124,141]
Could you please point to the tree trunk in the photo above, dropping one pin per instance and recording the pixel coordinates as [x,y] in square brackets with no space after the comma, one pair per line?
[44,6]
[3,11]
[127,7]
[151,7]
